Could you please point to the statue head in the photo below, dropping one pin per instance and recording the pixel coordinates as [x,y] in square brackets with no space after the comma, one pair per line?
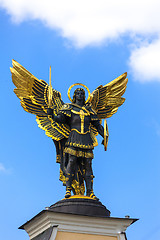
[79,93]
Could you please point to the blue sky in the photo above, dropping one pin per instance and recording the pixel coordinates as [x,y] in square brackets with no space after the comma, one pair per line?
[81,47]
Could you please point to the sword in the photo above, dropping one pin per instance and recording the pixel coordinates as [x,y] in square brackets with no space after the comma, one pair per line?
[50,92]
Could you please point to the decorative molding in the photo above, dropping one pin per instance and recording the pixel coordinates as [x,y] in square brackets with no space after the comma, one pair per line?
[54,233]
[78,224]
[121,236]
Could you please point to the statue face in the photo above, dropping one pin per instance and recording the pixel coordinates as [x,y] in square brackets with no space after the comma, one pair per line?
[79,95]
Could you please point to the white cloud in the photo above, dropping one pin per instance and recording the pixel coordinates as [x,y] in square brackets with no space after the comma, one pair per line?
[92,22]
[2,168]
[145,61]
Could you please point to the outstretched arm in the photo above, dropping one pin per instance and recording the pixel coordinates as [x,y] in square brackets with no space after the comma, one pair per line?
[99,128]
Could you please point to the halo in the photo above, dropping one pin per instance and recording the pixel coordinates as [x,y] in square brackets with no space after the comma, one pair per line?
[69,89]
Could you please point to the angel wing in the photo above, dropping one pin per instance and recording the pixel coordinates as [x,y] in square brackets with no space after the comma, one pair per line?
[105,100]
[33,95]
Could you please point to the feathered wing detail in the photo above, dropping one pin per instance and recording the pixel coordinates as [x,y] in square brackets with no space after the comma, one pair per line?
[105,100]
[33,95]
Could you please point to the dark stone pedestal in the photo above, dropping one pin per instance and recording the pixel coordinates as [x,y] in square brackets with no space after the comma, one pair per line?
[81,206]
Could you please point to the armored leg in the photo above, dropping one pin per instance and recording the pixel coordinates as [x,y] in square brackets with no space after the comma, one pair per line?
[70,174]
[89,178]
[88,175]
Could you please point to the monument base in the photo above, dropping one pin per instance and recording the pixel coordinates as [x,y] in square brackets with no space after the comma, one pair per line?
[83,205]
[80,218]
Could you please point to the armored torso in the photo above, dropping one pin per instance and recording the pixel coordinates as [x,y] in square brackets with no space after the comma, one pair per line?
[79,120]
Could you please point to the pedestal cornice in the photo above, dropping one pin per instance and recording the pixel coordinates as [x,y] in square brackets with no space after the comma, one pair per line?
[110,226]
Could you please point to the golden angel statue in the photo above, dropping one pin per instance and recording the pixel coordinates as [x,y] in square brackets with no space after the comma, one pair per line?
[73,126]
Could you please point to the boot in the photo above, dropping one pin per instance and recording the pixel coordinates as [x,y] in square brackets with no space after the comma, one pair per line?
[89,186]
[91,194]
[69,179]
[68,192]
